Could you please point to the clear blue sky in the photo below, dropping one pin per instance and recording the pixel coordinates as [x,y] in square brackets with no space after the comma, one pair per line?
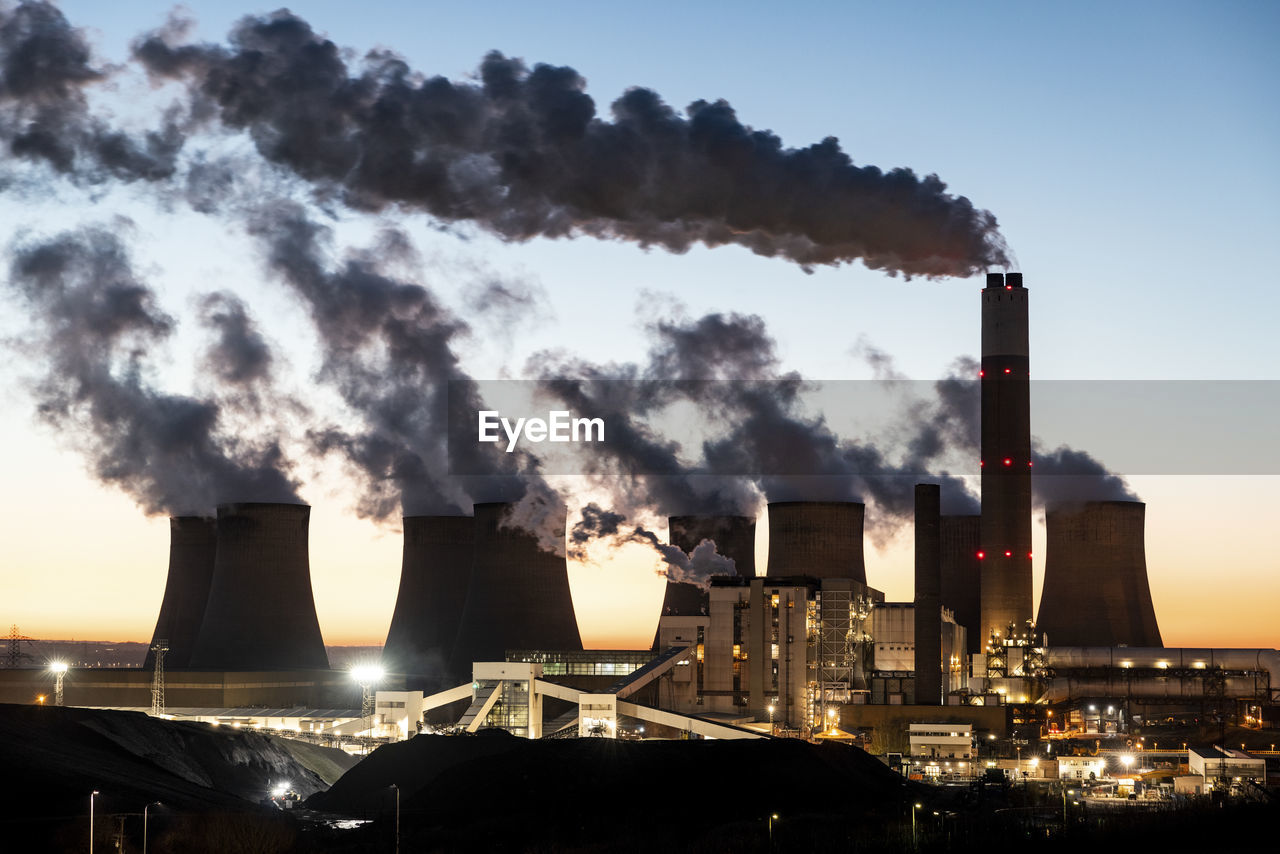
[1128,149]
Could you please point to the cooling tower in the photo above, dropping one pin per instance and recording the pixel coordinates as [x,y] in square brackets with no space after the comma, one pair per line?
[518,596]
[1006,458]
[734,536]
[1095,577]
[928,595]
[818,538]
[962,574]
[434,574]
[192,542]
[261,614]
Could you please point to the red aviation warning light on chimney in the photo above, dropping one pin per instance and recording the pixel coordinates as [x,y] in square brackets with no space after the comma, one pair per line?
[1006,436]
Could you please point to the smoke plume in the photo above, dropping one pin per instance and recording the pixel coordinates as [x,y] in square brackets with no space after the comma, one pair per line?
[45,117]
[695,567]
[95,324]
[1069,476]
[523,154]
[388,348]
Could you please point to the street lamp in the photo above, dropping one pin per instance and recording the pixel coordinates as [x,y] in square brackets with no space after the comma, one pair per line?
[397,788]
[1126,761]
[144,824]
[772,818]
[59,670]
[771,707]
[914,807]
[91,794]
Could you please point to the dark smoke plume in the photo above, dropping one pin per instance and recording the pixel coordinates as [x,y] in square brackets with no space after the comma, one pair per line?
[94,325]
[388,350]
[524,154]
[953,420]
[239,358]
[760,443]
[1068,476]
[695,567]
[45,68]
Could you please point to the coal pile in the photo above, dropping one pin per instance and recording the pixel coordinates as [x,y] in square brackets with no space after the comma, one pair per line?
[495,792]
[53,758]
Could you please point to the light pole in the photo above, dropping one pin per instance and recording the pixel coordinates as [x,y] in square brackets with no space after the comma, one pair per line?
[914,807]
[771,707]
[397,788]
[91,794]
[59,670]
[144,824]
[367,676]
[772,818]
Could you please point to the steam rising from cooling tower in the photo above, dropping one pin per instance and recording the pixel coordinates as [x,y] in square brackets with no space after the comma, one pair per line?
[192,550]
[734,538]
[1096,591]
[518,596]
[388,348]
[45,68]
[96,323]
[434,577]
[261,614]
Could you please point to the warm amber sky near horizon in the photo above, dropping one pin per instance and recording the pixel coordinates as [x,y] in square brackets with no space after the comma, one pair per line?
[1129,151]
[81,562]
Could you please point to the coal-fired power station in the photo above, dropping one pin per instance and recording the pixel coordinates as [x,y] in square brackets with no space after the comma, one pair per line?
[1096,591]
[518,596]
[434,576]
[192,549]
[735,538]
[260,614]
[1005,548]
[822,539]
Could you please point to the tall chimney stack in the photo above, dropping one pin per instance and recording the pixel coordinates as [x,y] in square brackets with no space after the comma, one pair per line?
[928,592]
[1096,591]
[192,547]
[261,614]
[434,575]
[962,574]
[818,538]
[1006,459]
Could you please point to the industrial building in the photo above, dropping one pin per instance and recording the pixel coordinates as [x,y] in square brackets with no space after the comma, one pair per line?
[484,623]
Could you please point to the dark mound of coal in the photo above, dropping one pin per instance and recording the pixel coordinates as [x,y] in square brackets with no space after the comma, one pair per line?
[54,757]
[492,792]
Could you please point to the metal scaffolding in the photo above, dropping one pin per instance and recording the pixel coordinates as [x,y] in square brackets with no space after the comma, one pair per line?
[160,647]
